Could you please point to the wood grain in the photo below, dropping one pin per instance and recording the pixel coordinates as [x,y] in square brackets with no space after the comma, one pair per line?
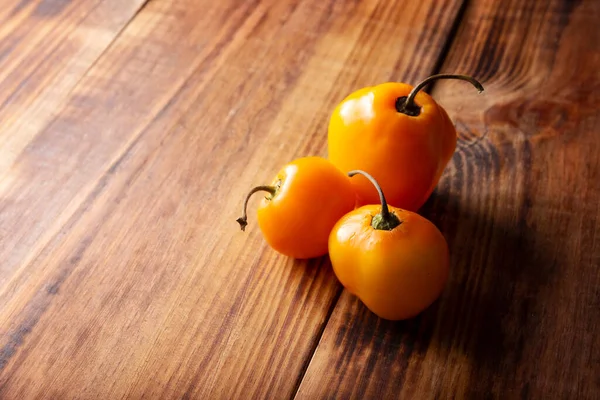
[128,88]
[45,48]
[123,273]
[519,206]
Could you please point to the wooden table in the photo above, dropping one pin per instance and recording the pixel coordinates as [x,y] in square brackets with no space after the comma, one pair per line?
[130,132]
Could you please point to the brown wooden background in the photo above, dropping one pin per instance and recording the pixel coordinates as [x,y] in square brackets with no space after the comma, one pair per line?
[131,130]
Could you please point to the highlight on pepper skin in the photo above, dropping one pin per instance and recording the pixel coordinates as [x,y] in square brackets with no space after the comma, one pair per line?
[398,134]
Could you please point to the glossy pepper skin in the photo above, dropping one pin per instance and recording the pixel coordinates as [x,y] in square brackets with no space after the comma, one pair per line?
[304,201]
[405,147]
[396,271]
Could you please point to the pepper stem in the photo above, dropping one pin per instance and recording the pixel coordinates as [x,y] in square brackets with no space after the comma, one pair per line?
[407,105]
[385,220]
[243,220]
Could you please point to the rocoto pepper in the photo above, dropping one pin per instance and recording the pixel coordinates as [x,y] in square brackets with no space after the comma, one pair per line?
[399,135]
[395,261]
[307,197]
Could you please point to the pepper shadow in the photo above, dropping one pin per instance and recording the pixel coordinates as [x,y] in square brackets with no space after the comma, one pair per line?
[489,308]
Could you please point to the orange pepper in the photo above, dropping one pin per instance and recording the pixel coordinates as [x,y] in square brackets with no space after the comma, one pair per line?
[399,135]
[395,261]
[305,200]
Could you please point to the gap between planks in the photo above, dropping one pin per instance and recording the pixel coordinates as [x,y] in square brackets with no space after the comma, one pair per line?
[443,55]
[70,219]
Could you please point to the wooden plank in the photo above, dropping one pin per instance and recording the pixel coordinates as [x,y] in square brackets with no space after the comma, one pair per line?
[58,168]
[134,280]
[45,48]
[520,317]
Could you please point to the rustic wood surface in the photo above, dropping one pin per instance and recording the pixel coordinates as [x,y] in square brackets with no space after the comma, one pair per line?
[130,132]
[519,206]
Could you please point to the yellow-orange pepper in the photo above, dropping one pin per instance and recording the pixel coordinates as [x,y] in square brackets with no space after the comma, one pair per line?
[399,135]
[307,197]
[395,261]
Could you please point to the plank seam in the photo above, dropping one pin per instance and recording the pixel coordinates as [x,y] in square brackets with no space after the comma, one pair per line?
[103,52]
[317,341]
[63,107]
[450,39]
[443,55]
[90,198]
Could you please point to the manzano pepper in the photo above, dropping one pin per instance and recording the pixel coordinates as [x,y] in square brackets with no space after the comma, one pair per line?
[395,261]
[398,134]
[306,198]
